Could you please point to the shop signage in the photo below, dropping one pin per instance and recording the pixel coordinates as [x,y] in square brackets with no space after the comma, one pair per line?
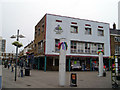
[58,29]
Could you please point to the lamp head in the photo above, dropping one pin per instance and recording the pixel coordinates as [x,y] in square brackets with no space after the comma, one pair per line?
[13,36]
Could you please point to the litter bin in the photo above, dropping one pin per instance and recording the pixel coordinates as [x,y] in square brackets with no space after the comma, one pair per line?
[104,73]
[73,82]
[27,71]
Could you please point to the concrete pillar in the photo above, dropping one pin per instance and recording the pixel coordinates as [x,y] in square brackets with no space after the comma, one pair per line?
[62,63]
[116,65]
[91,64]
[85,62]
[38,63]
[53,61]
[69,64]
[101,64]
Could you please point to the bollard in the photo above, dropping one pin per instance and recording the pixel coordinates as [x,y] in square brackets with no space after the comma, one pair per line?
[73,82]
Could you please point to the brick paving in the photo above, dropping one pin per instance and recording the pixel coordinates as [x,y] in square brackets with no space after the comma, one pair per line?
[50,79]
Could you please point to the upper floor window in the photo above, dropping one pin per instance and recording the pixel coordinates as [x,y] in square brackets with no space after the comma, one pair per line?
[43,27]
[100,46]
[40,46]
[58,20]
[100,32]
[117,39]
[35,46]
[35,34]
[57,41]
[73,46]
[88,30]
[38,31]
[87,48]
[80,47]
[93,48]
[117,49]
[74,29]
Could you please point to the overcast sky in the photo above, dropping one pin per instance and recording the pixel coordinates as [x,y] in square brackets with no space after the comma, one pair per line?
[25,14]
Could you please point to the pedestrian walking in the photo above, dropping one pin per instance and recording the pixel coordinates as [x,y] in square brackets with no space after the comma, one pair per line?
[8,65]
[19,71]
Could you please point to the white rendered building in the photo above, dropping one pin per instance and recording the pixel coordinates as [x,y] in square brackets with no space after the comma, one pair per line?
[84,38]
[119,15]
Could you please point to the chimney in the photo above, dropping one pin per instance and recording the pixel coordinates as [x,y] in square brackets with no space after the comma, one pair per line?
[114,26]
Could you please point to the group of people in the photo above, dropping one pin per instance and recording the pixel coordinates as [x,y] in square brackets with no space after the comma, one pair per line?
[12,66]
[8,65]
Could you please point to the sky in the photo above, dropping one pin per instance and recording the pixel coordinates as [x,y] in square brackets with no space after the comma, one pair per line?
[25,14]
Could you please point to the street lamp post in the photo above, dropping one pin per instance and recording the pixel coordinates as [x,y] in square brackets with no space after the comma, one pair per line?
[16,36]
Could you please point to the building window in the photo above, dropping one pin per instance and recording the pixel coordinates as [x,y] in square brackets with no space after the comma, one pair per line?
[40,47]
[35,34]
[88,31]
[100,46]
[73,23]
[58,20]
[117,50]
[117,39]
[100,32]
[93,49]
[74,29]
[35,47]
[87,48]
[73,47]
[57,41]
[43,27]
[80,47]
[38,31]
[3,46]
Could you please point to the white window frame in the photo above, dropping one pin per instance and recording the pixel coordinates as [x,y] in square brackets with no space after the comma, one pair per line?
[74,29]
[88,30]
[99,32]
[57,41]
[80,47]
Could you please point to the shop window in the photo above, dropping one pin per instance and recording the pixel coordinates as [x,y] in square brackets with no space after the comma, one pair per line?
[56,62]
[74,29]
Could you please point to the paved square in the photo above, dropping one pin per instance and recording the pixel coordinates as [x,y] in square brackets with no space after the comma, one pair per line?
[50,79]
